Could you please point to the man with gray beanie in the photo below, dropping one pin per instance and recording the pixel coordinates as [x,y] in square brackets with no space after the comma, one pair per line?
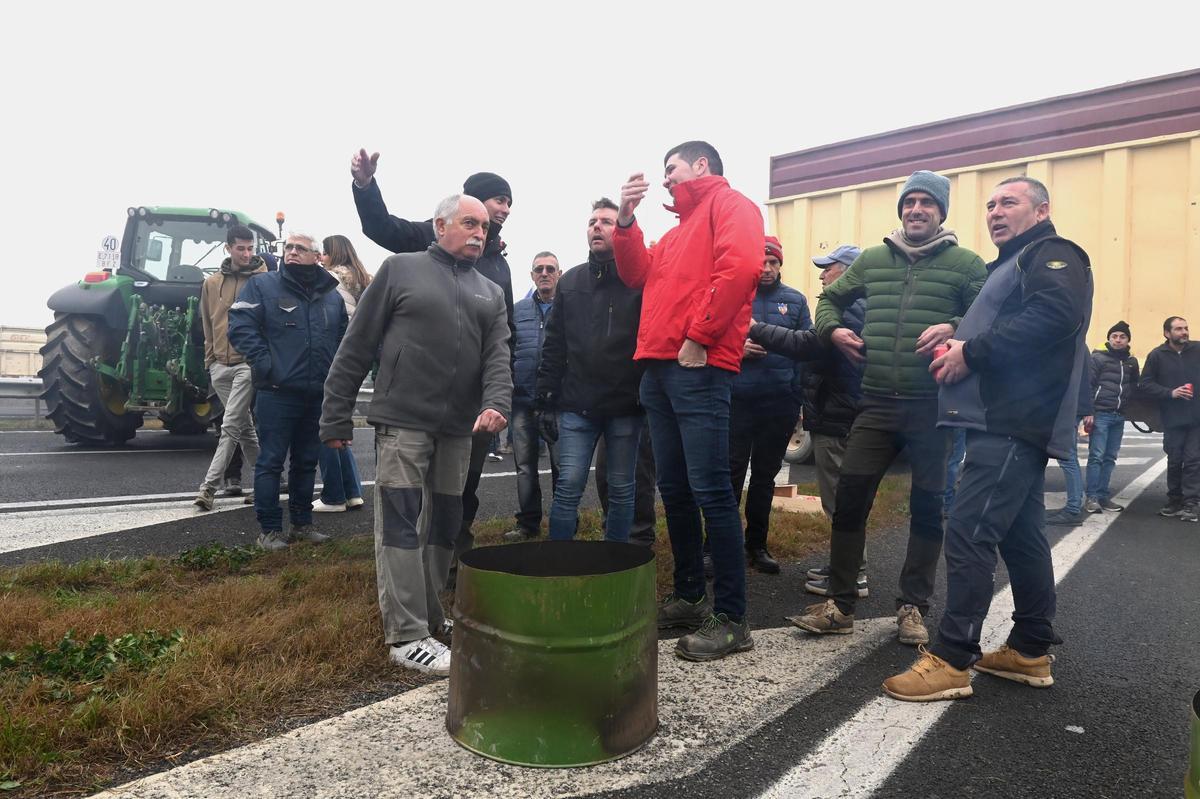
[917,284]
[400,236]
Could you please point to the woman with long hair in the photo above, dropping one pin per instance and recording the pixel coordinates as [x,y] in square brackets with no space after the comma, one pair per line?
[342,488]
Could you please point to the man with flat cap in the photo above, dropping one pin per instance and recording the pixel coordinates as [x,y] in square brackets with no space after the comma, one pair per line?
[401,235]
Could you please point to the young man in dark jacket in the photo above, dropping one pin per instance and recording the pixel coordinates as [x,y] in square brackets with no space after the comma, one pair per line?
[1113,376]
[1011,379]
[1171,374]
[401,235]
[766,399]
[441,334]
[917,284]
[587,383]
[288,324]
[530,316]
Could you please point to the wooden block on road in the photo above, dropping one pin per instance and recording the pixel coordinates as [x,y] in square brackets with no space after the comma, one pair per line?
[787,498]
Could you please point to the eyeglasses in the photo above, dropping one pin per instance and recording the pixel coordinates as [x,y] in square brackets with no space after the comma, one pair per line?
[537,270]
[296,248]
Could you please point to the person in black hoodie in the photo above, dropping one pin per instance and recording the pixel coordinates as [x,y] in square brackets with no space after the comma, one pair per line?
[1172,370]
[1011,379]
[587,384]
[401,235]
[1114,378]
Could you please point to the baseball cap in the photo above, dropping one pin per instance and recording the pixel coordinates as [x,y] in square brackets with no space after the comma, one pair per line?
[844,254]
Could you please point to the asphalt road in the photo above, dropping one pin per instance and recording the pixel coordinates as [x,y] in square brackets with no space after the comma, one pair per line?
[1115,724]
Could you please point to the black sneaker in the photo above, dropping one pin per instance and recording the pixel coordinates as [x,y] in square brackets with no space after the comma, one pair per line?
[677,612]
[717,637]
[1189,514]
[821,587]
[1063,518]
[823,572]
[305,532]
[233,487]
[1171,509]
[1109,505]
[762,561]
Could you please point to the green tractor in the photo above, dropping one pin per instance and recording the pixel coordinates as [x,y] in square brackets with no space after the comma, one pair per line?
[131,342]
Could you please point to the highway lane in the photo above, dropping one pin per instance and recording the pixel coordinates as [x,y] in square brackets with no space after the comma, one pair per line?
[1114,725]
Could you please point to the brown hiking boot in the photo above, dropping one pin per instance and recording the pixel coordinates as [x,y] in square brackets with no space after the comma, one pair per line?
[204,500]
[930,679]
[910,627]
[1010,664]
[824,618]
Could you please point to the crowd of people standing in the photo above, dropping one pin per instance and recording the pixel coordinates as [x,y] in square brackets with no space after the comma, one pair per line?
[683,366]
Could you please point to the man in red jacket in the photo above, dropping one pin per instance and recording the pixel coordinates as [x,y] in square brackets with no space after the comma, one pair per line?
[697,284]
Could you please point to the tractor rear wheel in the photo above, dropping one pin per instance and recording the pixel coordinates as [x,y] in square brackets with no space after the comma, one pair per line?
[85,407]
[194,419]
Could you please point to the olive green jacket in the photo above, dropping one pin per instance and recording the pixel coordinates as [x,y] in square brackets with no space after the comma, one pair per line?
[903,299]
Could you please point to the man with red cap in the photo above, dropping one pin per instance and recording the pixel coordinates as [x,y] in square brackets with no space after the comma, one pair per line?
[766,399]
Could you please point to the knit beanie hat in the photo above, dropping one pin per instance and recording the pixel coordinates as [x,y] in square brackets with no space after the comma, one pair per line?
[932,184]
[1120,327]
[486,185]
[775,248]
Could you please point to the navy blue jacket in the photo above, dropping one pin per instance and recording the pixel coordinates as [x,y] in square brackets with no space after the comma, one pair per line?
[776,376]
[288,333]
[527,349]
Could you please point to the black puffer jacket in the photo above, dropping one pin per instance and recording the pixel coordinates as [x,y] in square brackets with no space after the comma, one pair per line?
[1114,379]
[587,362]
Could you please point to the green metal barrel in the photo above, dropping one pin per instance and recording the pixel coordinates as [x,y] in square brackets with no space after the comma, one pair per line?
[555,652]
[1191,788]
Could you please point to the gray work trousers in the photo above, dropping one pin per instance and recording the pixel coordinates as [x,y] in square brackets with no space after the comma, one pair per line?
[235,387]
[419,480]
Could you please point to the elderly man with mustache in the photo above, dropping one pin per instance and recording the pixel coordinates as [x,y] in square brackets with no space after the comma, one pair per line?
[441,331]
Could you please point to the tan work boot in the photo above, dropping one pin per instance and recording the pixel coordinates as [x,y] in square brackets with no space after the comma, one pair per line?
[204,500]
[1010,664]
[910,627]
[824,618]
[930,679]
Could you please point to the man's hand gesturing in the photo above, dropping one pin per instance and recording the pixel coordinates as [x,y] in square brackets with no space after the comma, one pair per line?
[362,168]
[631,194]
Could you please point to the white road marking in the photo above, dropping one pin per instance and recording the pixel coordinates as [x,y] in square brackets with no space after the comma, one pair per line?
[858,757]
[97,452]
[1133,461]
[400,748]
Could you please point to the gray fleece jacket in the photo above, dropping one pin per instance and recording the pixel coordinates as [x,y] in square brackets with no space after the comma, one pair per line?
[441,333]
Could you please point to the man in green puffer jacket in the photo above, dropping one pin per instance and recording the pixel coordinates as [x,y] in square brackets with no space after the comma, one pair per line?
[917,284]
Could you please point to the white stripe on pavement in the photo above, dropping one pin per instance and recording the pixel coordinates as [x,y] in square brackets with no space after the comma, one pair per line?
[858,757]
[400,748]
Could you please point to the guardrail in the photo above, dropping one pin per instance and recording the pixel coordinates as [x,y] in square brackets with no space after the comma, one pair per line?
[30,388]
[23,388]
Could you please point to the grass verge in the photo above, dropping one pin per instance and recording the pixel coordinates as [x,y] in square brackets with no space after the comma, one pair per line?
[112,668]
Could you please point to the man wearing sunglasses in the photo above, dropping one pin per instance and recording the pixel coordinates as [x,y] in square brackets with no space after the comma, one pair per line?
[288,324]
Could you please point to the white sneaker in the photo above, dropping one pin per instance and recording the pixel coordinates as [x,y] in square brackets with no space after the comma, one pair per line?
[428,656]
[354,502]
[321,507]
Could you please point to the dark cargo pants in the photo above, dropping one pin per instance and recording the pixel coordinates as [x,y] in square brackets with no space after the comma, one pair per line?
[883,428]
[1000,504]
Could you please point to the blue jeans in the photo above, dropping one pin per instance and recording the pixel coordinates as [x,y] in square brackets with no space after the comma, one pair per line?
[577,436]
[286,421]
[1000,506]
[339,473]
[688,412]
[525,441]
[953,467]
[1103,445]
[1072,474]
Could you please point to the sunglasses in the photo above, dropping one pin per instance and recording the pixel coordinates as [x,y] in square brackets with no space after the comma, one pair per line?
[547,269]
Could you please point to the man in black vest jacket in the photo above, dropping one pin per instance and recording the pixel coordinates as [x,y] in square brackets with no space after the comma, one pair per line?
[400,235]
[1011,379]
[1172,370]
